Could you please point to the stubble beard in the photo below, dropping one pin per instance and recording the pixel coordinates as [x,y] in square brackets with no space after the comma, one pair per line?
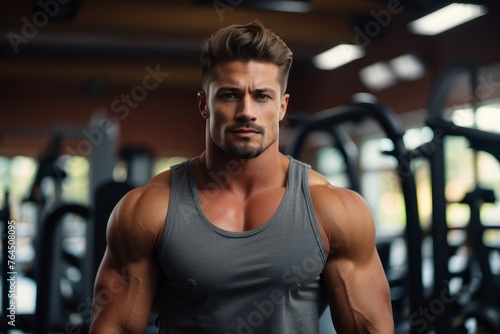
[244,150]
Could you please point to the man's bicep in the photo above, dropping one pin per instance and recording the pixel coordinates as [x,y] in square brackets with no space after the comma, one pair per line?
[123,295]
[127,277]
[354,277]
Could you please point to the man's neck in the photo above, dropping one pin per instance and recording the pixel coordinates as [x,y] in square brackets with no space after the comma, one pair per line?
[245,175]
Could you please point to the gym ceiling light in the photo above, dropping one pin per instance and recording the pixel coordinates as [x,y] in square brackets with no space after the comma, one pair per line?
[377,76]
[446,18]
[338,56]
[382,75]
[407,67]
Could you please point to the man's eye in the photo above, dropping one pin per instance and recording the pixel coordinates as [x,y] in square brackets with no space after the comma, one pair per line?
[262,97]
[229,96]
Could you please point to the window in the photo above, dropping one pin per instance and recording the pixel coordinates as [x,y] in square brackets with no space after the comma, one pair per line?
[331,164]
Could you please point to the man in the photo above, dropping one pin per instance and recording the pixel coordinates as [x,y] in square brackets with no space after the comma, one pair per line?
[241,239]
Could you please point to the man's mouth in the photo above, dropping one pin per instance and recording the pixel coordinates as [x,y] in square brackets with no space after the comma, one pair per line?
[245,130]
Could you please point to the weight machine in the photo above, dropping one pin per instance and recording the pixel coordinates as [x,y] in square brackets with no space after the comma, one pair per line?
[64,304]
[329,121]
[482,300]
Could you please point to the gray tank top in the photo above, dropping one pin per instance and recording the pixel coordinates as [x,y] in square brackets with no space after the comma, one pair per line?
[265,280]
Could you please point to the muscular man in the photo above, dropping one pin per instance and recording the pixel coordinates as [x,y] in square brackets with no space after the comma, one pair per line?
[241,239]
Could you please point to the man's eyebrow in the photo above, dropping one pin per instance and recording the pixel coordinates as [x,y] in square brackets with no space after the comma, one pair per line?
[228,89]
[237,89]
[265,90]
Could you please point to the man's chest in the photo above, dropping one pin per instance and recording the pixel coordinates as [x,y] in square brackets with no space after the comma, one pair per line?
[238,213]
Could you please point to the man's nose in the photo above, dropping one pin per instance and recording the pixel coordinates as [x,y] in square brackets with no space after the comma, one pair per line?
[246,110]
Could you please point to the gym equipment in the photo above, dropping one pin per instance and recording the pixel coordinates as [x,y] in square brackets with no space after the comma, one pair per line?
[482,302]
[343,143]
[103,134]
[332,118]
[105,199]
[139,162]
[48,168]
[54,308]
[49,309]
[64,279]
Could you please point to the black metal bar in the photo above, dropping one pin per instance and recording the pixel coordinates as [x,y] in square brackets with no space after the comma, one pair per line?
[442,128]
[439,234]
[344,144]
[476,229]
[50,224]
[479,140]
[441,88]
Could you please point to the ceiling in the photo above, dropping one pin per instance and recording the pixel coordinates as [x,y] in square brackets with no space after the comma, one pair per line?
[115,39]
[105,46]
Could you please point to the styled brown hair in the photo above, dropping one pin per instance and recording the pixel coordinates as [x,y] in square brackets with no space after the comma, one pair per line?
[246,42]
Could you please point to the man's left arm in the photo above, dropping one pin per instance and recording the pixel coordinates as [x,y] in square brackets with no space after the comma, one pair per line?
[357,288]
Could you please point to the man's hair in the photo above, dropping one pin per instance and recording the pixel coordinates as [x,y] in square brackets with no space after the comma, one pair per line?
[246,42]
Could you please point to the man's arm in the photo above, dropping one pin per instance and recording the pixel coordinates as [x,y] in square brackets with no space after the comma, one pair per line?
[358,291]
[127,277]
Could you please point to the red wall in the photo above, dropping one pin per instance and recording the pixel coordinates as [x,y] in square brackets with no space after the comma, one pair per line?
[167,120]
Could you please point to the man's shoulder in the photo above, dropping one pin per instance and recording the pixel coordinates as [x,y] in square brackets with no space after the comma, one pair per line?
[338,210]
[158,184]
[321,189]
[157,189]
[144,206]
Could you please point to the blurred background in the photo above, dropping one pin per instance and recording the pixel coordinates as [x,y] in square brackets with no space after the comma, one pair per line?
[96,97]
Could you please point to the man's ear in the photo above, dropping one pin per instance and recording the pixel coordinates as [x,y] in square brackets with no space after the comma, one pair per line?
[202,104]
[283,106]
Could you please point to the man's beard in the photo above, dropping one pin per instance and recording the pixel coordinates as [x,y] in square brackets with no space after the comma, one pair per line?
[244,151]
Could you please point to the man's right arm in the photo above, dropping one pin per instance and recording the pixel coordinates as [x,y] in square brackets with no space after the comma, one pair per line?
[127,277]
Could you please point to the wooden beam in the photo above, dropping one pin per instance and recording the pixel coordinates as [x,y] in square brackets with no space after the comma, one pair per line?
[119,73]
[347,7]
[184,20]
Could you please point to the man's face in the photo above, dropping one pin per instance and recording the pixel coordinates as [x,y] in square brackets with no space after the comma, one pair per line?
[243,107]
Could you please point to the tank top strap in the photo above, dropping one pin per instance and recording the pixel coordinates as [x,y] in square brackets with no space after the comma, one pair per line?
[180,197]
[299,172]
[298,175]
